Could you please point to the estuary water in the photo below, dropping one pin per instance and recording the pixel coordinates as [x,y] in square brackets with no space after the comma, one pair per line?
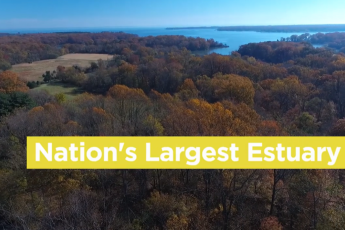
[234,39]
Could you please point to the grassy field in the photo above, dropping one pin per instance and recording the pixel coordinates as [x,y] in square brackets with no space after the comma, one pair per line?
[55,88]
[34,71]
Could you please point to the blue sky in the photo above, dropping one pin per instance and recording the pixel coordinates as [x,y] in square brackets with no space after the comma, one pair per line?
[22,14]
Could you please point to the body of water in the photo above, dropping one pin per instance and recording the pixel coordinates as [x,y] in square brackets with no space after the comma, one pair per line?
[234,39]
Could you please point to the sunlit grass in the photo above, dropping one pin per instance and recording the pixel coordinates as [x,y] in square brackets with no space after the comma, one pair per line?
[56,88]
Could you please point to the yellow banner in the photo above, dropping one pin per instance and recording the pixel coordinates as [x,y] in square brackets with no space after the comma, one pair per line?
[185,152]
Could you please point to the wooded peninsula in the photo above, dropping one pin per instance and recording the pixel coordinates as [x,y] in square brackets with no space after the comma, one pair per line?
[273,28]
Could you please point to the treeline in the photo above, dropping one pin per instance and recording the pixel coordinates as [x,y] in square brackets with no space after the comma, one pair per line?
[15,49]
[264,89]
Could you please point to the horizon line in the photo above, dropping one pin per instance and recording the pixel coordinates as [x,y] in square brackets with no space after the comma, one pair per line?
[108,28]
[170,26]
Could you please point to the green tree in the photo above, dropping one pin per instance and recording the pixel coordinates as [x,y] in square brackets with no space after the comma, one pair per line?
[9,102]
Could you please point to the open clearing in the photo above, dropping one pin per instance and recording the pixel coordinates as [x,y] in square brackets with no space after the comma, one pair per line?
[87,57]
[55,88]
[34,71]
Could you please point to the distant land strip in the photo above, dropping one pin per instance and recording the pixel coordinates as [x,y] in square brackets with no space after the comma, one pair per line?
[276,28]
[71,32]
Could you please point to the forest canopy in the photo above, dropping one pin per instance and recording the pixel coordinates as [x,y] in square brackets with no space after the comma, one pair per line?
[15,49]
[156,86]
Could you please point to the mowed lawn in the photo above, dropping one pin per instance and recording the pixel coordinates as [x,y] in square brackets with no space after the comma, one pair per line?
[33,72]
[56,88]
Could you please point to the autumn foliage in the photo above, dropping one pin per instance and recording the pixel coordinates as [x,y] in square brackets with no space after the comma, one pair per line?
[156,86]
[10,83]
